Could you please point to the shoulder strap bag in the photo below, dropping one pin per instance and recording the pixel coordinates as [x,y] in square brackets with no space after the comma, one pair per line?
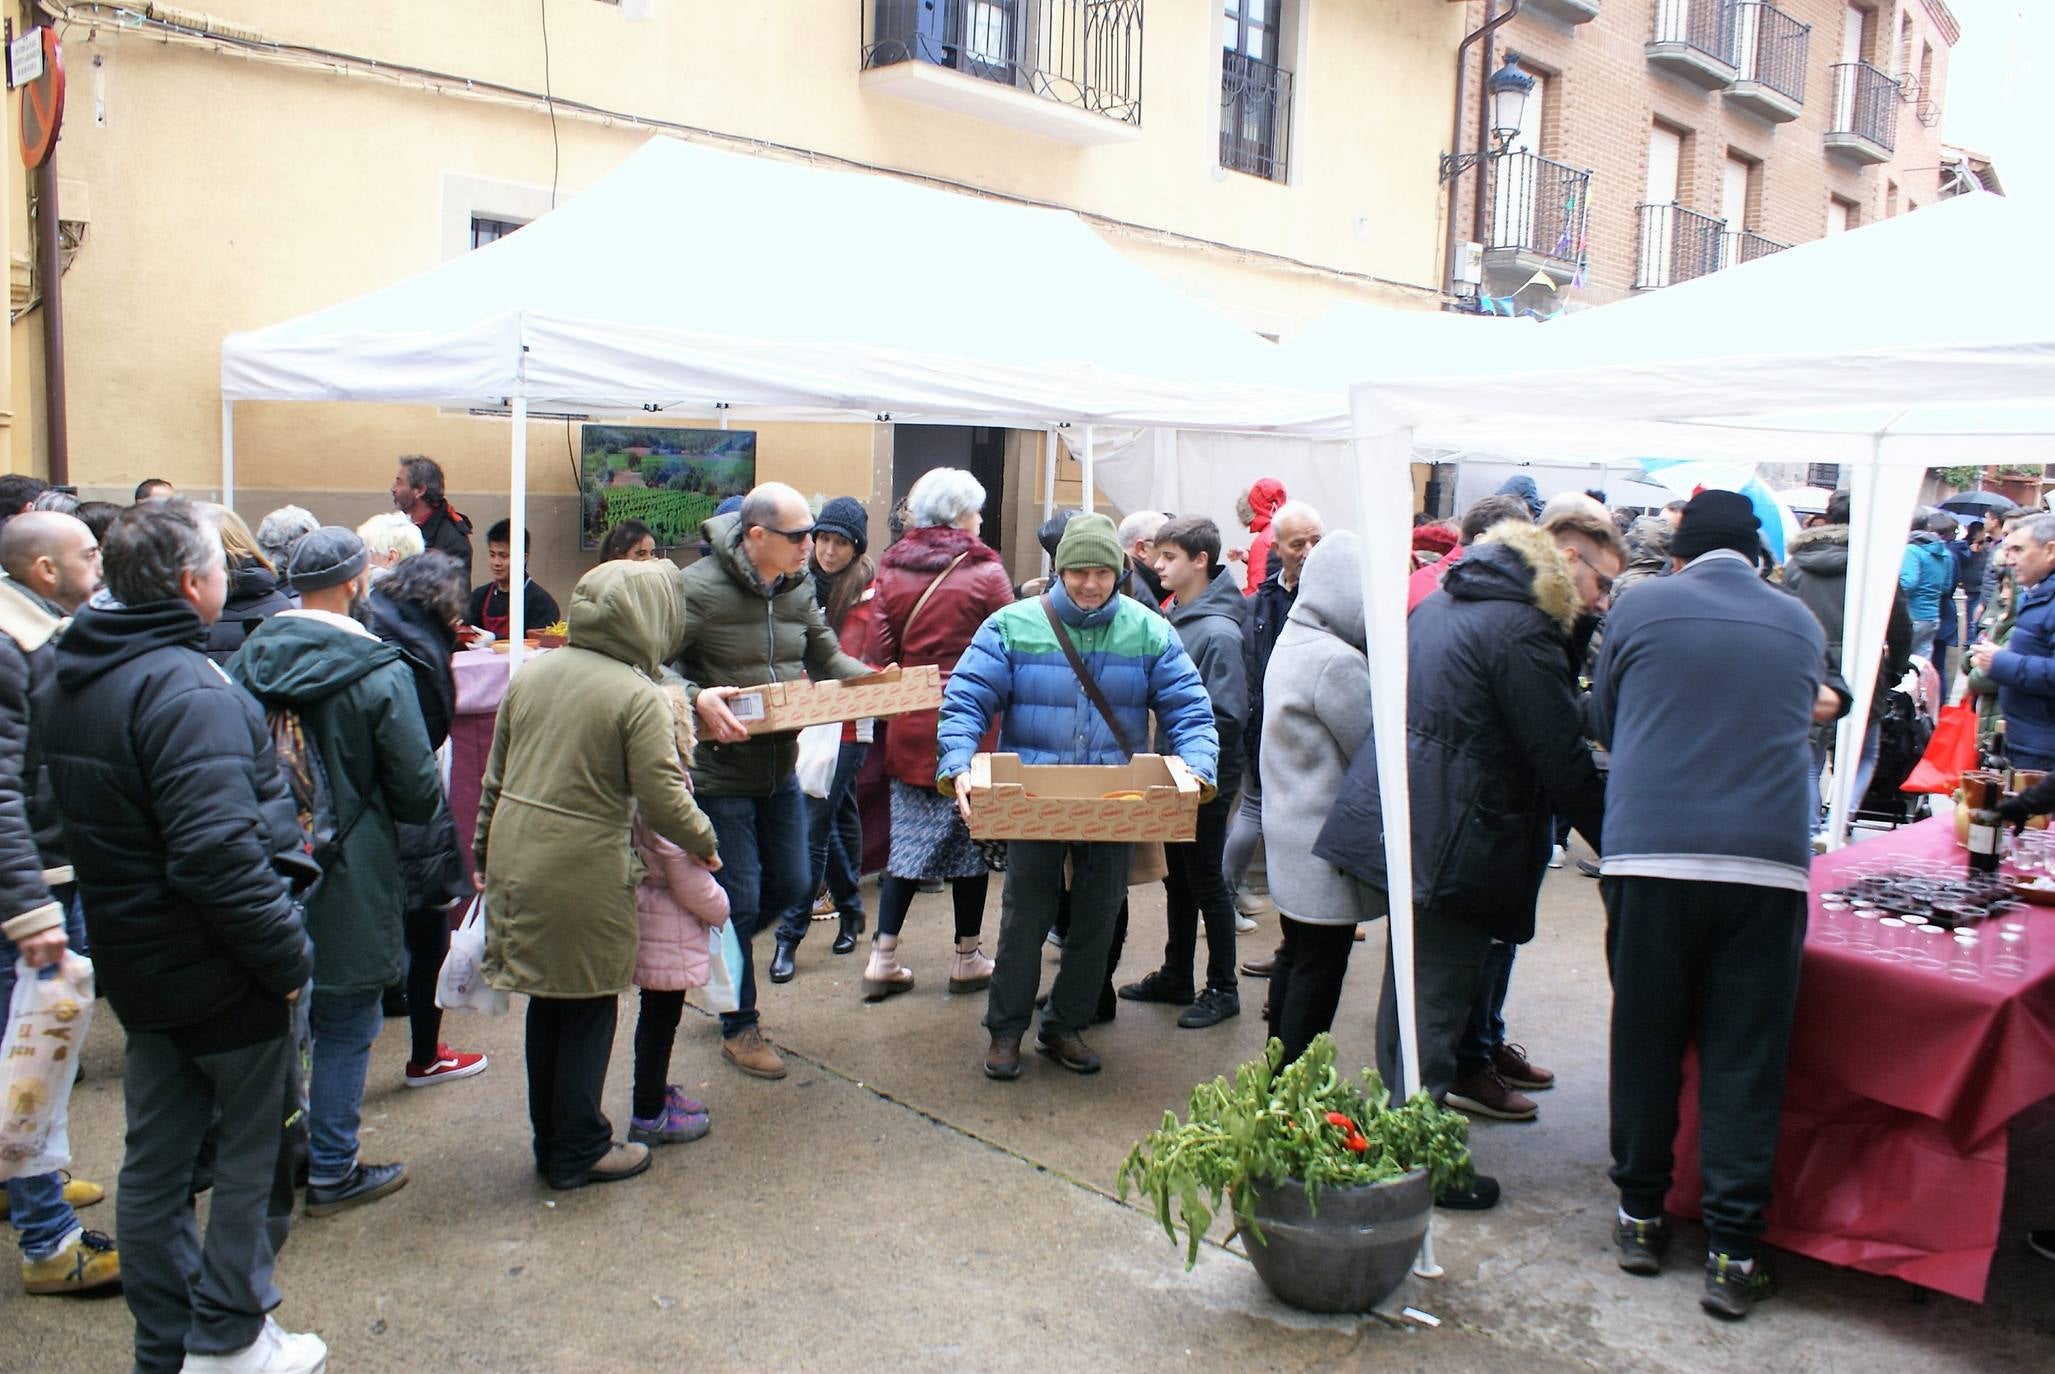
[1084,675]
[920,605]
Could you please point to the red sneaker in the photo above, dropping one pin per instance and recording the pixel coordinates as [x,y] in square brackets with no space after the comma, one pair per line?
[448,1066]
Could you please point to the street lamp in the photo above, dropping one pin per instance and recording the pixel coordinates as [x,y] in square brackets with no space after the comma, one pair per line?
[1507,90]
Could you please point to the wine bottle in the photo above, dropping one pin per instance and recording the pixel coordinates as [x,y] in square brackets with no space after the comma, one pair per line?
[1986,827]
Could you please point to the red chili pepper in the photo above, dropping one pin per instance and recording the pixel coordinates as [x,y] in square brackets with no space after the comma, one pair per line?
[1337,1119]
[1356,1142]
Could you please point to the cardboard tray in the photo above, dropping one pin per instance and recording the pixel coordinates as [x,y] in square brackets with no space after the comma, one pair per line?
[780,706]
[1011,800]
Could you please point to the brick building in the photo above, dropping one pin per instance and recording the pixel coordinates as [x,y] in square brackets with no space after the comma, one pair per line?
[1669,138]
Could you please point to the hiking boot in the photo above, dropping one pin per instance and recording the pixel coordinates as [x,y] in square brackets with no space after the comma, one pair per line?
[747,1051]
[618,1163]
[1260,968]
[1513,1065]
[1731,1291]
[275,1351]
[366,1183]
[782,967]
[86,1263]
[883,976]
[1067,1048]
[1002,1060]
[845,935]
[972,971]
[1210,1008]
[671,1126]
[79,1193]
[449,1066]
[1159,987]
[1484,1093]
[1640,1244]
[1480,1196]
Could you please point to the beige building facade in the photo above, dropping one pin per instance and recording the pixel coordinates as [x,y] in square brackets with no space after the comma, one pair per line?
[1665,139]
[1270,157]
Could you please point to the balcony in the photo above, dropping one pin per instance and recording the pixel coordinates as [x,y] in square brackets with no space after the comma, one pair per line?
[1694,41]
[1745,245]
[1539,213]
[1564,11]
[1677,245]
[1255,116]
[1864,125]
[1069,70]
[1770,49]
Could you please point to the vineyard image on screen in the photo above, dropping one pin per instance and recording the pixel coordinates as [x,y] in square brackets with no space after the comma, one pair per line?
[669,479]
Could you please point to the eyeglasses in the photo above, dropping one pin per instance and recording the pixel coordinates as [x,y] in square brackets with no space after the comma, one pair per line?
[1605,584]
[796,536]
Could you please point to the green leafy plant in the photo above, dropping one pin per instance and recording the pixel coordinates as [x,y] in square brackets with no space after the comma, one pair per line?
[1299,1122]
[1960,478]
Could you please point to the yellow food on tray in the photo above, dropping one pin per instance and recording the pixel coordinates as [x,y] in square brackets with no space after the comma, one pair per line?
[1120,796]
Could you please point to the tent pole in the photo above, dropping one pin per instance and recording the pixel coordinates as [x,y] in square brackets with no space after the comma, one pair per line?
[517,540]
[228,453]
[1086,504]
[1881,500]
[1048,489]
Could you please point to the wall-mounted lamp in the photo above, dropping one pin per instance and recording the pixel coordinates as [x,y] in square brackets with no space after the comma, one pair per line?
[1507,90]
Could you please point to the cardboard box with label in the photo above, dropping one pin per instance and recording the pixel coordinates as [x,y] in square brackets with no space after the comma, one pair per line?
[1153,797]
[778,706]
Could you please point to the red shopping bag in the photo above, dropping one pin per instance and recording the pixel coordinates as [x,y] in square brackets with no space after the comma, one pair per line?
[1950,752]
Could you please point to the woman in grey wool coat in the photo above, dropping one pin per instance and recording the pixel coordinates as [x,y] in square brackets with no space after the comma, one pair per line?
[1316,714]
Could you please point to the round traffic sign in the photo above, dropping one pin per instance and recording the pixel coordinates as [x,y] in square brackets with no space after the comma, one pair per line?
[42,106]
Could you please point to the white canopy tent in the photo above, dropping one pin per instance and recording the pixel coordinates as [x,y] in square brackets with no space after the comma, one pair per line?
[1888,349]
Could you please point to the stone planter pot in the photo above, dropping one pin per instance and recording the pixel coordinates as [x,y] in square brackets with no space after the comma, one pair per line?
[1351,1254]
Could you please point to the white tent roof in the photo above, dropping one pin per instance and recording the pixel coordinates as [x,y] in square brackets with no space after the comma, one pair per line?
[689,277]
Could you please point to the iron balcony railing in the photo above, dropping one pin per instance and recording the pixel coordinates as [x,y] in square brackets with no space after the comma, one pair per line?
[1083,53]
[1707,25]
[1865,104]
[1539,205]
[1677,245]
[1770,48]
[1745,245]
[1255,116]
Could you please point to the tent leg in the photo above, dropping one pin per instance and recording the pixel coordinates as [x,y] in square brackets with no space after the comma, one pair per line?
[228,454]
[517,537]
[1048,489]
[1086,504]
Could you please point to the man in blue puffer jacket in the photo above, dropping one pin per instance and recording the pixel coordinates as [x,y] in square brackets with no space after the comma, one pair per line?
[2025,668]
[1926,574]
[1016,671]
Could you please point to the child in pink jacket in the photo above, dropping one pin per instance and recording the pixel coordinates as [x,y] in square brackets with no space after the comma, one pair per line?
[677,903]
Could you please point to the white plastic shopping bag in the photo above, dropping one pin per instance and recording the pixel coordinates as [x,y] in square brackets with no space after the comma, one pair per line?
[46,1026]
[461,985]
[723,990]
[820,747]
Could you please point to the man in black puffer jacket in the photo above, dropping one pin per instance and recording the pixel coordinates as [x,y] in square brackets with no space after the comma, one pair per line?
[1495,751]
[167,777]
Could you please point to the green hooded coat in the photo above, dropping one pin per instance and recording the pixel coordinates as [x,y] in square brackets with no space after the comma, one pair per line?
[355,697]
[740,633]
[584,737]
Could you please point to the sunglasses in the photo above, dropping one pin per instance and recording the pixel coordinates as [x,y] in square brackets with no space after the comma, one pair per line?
[796,536]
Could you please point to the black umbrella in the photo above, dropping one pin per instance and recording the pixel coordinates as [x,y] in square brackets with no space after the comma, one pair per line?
[1978,502]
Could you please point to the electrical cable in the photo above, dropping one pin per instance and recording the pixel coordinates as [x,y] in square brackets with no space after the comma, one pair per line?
[556,152]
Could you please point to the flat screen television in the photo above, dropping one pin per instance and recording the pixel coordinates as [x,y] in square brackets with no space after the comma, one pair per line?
[669,479]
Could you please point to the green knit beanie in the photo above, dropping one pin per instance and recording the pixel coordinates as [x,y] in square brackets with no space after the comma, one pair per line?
[1088,541]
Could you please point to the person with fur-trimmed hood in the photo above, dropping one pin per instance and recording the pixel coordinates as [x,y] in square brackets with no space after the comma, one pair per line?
[1495,748]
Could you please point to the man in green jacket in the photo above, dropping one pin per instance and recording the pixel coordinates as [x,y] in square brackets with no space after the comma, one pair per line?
[751,618]
[353,698]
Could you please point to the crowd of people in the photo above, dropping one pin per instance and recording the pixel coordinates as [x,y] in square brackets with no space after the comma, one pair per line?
[253,721]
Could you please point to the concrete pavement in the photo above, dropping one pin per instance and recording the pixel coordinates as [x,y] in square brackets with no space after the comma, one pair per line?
[887,1206]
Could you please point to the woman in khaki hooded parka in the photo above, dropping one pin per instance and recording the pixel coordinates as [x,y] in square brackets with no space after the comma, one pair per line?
[583,739]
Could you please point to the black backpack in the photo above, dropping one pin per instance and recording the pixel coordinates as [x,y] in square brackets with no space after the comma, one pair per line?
[306,777]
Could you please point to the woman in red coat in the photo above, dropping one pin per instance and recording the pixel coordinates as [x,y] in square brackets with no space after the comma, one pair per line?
[934,589]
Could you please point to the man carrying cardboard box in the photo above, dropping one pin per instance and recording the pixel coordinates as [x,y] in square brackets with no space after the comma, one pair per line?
[1072,676]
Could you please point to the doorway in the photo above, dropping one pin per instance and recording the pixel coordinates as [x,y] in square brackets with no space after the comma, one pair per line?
[978,449]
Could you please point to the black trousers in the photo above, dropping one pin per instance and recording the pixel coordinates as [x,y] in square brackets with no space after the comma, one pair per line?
[570,1040]
[1715,963]
[656,1032]
[428,942]
[1449,960]
[1194,889]
[1305,983]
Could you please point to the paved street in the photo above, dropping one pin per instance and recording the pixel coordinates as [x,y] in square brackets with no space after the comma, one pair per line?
[886,1206]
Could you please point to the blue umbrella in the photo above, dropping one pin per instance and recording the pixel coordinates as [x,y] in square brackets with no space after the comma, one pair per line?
[1686,475]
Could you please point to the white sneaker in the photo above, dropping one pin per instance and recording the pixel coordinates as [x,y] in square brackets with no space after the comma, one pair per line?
[1555,856]
[275,1351]
[1247,903]
[1242,924]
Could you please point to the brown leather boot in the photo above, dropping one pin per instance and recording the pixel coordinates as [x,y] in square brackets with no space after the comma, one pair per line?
[748,1052]
[882,976]
[1002,1060]
[972,970]
[1067,1048]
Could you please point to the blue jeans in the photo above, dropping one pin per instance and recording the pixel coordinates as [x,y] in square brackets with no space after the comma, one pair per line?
[763,868]
[834,841]
[36,1205]
[1486,1029]
[344,1025]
